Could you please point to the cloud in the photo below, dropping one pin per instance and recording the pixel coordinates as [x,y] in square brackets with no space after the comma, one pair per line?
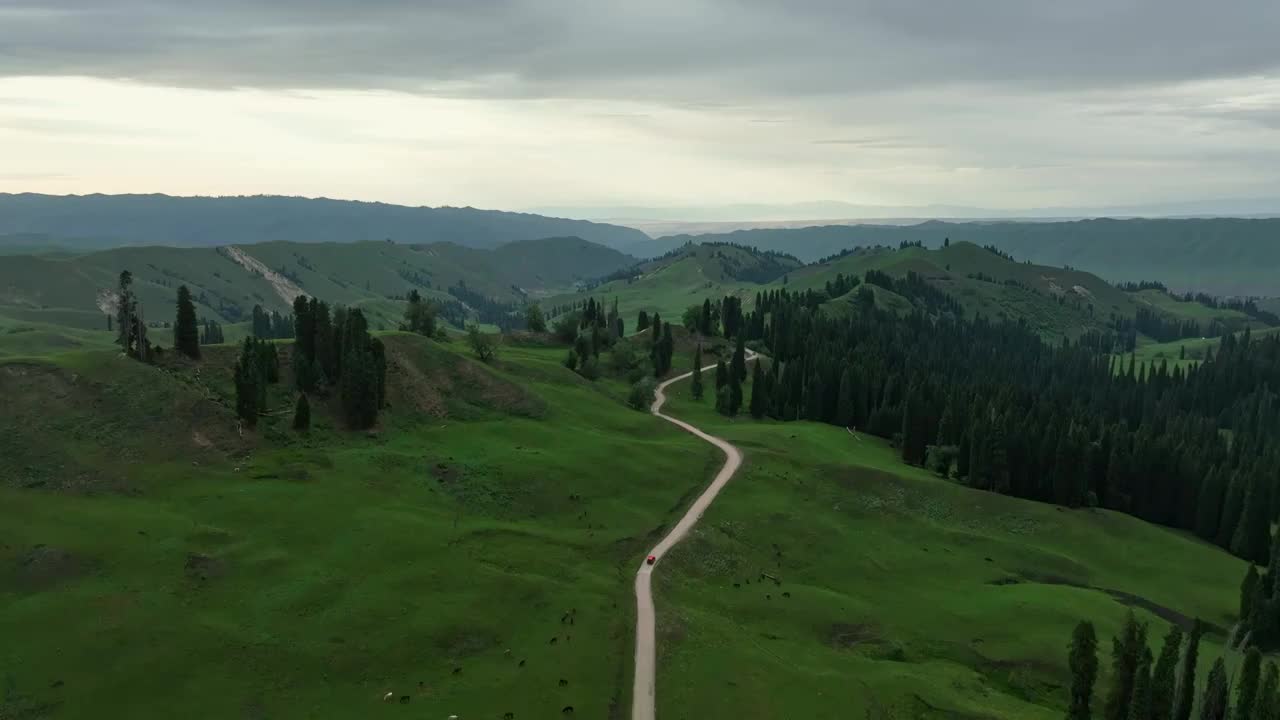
[704,51]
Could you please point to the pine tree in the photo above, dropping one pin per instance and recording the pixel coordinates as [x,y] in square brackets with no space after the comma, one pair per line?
[1247,690]
[1253,534]
[759,392]
[722,375]
[695,387]
[302,413]
[1083,662]
[735,393]
[642,321]
[738,364]
[1164,677]
[1187,678]
[1214,703]
[186,333]
[1140,704]
[1209,505]
[1248,591]
[1231,510]
[1267,706]
[1126,652]
[126,310]
[250,384]
[844,399]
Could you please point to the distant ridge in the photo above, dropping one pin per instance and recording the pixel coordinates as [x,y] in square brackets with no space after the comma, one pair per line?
[104,221]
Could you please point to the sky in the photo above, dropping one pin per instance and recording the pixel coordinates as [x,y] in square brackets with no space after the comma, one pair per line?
[527,103]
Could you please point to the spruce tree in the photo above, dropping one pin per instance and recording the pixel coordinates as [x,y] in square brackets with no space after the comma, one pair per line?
[250,384]
[1083,662]
[1214,704]
[1267,706]
[759,392]
[1231,510]
[186,333]
[1164,677]
[1140,703]
[722,375]
[126,310]
[738,364]
[735,393]
[1247,690]
[302,413]
[1187,678]
[695,387]
[1253,534]
[844,399]
[642,321]
[1248,591]
[1126,652]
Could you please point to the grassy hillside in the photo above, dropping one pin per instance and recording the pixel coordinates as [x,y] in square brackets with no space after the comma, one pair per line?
[228,281]
[101,221]
[281,575]
[689,275]
[1224,256]
[1056,302]
[900,594]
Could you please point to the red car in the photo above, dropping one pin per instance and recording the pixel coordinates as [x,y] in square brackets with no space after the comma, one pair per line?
[652,559]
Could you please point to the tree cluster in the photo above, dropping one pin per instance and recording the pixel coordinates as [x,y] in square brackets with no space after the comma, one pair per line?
[1146,687]
[420,316]
[338,351]
[271,325]
[258,367]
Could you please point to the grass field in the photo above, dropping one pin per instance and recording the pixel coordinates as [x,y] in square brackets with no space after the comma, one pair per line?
[902,595]
[290,576]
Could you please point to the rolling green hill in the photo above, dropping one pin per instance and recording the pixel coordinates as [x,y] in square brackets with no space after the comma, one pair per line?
[686,276]
[100,221]
[228,281]
[1224,256]
[1056,302]
[471,557]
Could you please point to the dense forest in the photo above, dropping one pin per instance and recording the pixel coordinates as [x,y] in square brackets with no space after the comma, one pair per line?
[992,404]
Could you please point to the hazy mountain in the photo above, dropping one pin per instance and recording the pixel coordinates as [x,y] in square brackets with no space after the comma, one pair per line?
[1221,255]
[102,221]
[842,212]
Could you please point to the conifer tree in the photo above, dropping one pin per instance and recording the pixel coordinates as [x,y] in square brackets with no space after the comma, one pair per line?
[186,333]
[1083,662]
[1267,705]
[722,375]
[1126,653]
[250,384]
[738,364]
[642,321]
[695,387]
[1253,534]
[302,413]
[1231,510]
[1215,705]
[735,393]
[759,392]
[1187,678]
[1164,676]
[126,311]
[1247,690]
[1140,704]
[1248,591]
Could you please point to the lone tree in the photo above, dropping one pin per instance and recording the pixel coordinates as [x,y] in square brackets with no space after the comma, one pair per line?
[186,331]
[1083,661]
[695,387]
[481,343]
[534,319]
[302,413]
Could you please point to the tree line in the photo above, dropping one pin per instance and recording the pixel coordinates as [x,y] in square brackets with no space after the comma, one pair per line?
[1164,687]
[993,405]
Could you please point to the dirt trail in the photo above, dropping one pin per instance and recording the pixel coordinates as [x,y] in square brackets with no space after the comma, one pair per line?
[642,696]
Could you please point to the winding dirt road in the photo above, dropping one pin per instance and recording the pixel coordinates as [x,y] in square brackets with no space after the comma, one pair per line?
[642,695]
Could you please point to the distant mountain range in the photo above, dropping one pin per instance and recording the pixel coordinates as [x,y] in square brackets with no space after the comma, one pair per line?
[103,221]
[1229,256]
[842,212]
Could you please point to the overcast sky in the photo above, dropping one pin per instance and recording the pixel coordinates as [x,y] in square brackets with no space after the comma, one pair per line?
[524,103]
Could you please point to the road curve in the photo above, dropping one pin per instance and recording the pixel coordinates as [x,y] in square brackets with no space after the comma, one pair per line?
[642,694]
